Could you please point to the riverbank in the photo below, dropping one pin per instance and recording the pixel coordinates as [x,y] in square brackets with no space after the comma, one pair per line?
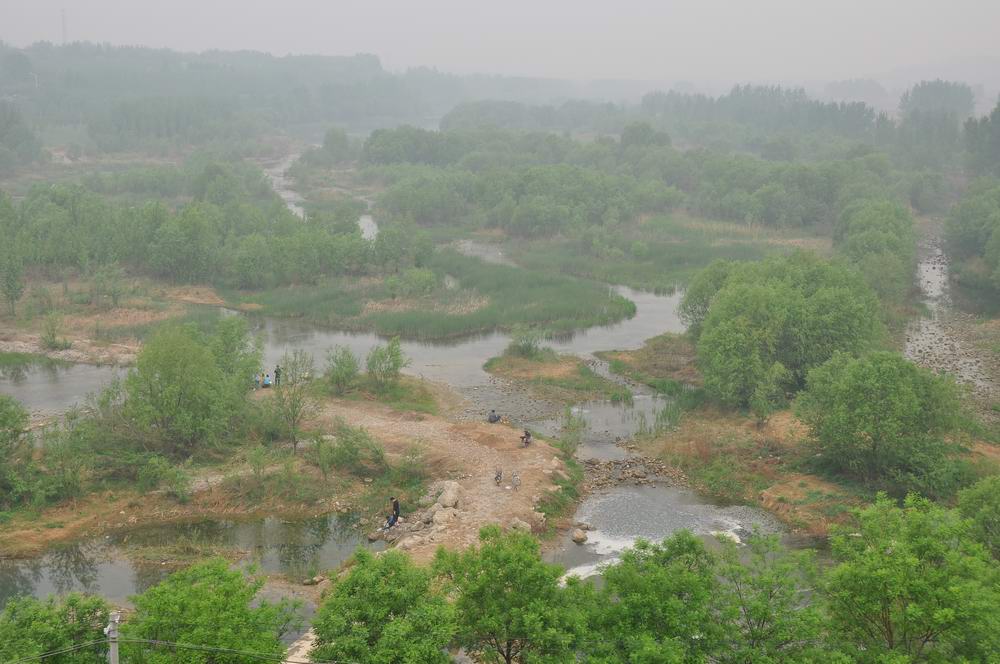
[435,447]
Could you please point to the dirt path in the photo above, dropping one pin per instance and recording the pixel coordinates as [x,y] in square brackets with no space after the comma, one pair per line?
[469,454]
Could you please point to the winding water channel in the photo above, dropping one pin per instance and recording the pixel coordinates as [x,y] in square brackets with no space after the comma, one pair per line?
[618,516]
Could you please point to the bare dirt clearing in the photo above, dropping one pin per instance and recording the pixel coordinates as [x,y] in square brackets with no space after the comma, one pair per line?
[468,453]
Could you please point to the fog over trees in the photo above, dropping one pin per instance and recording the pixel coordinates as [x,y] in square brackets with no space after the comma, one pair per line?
[653,332]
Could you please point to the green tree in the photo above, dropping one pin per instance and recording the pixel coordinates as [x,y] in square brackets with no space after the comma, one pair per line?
[12,280]
[911,584]
[767,324]
[765,605]
[385,610]
[109,281]
[30,628]
[883,420]
[341,369]
[294,395]
[384,364]
[238,356]
[186,247]
[947,97]
[508,603]
[659,605]
[982,141]
[176,392]
[15,454]
[981,503]
[206,604]
[642,134]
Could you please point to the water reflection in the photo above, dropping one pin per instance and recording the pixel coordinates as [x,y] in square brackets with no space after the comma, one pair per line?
[120,565]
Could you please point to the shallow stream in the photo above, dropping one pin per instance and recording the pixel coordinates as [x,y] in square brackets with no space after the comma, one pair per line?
[619,516]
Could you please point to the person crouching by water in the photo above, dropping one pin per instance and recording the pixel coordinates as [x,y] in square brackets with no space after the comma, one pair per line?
[391,520]
[493,418]
[526,439]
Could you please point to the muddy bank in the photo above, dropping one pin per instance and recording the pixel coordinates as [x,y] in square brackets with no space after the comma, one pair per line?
[81,351]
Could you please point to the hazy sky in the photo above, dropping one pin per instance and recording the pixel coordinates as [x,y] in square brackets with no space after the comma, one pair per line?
[636,39]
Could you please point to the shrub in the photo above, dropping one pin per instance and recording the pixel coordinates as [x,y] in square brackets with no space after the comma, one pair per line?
[323,456]
[257,458]
[51,329]
[981,503]
[524,342]
[341,369]
[384,364]
[354,447]
[152,473]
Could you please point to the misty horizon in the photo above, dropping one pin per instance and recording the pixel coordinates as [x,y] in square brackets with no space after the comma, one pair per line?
[710,44]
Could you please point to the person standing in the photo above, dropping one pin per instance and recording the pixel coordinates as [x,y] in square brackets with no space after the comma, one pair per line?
[277,375]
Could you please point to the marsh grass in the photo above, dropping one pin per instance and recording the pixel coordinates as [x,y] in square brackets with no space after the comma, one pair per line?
[507,297]
[659,254]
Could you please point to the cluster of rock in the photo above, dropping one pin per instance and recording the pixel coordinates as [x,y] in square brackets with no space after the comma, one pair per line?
[505,397]
[438,515]
[634,471]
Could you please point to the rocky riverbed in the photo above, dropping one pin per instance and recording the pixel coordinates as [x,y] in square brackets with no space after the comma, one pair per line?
[944,340]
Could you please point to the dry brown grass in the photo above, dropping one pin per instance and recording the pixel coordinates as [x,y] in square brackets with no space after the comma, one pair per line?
[666,357]
[519,368]
[195,295]
[729,455]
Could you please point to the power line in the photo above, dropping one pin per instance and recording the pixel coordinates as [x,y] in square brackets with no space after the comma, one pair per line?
[257,655]
[183,646]
[62,651]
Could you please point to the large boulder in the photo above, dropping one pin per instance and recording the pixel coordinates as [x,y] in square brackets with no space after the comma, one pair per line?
[445,516]
[538,522]
[449,495]
[428,515]
[519,525]
[579,536]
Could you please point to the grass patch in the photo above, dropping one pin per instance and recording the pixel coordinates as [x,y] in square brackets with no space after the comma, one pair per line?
[658,254]
[562,378]
[557,503]
[408,394]
[489,297]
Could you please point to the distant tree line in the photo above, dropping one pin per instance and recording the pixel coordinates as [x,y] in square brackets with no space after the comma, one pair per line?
[229,229]
[534,184]
[771,121]
[18,144]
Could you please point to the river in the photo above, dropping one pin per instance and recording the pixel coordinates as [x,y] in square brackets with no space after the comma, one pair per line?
[619,516]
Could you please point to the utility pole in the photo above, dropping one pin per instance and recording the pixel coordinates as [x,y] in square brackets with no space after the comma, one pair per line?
[111,631]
